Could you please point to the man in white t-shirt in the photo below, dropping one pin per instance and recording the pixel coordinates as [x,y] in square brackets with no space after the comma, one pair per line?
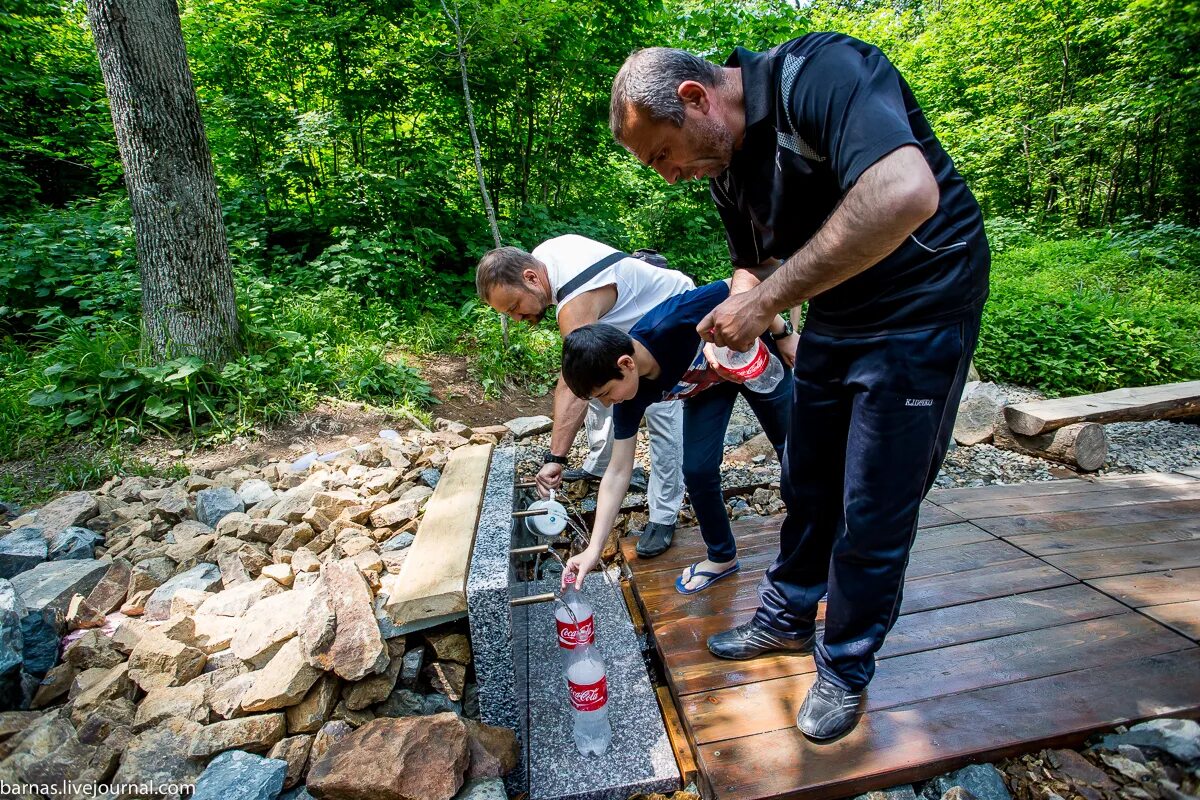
[591,282]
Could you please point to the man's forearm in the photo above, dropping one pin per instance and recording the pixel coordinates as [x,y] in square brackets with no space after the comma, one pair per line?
[569,413]
[889,201]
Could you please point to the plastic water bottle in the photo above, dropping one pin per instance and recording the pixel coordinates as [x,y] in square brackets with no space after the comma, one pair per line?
[575,618]
[588,685]
[757,368]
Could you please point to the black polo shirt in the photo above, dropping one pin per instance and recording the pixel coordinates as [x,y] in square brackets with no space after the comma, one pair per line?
[820,110]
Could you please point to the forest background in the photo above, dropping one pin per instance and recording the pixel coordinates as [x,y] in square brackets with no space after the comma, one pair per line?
[354,218]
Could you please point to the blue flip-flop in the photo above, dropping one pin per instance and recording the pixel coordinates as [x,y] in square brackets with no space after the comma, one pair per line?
[713,577]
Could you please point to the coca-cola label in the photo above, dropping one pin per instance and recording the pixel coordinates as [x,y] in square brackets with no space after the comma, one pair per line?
[590,697]
[571,635]
[757,365]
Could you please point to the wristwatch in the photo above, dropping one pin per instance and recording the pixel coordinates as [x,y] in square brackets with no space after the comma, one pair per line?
[550,458]
[788,330]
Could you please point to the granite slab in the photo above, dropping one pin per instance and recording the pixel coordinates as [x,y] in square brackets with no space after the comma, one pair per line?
[640,758]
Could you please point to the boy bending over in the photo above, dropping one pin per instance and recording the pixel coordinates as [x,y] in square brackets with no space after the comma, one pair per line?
[662,359]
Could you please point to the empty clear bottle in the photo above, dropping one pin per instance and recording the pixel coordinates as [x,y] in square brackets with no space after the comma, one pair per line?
[587,683]
[757,368]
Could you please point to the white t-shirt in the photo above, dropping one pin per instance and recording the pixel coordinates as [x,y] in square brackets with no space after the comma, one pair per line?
[640,286]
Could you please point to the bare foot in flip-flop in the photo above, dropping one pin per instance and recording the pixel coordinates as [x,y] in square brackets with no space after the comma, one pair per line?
[692,577]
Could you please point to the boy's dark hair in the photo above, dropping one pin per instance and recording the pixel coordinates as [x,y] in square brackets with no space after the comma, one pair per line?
[589,357]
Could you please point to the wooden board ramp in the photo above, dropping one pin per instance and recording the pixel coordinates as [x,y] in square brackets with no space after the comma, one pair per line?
[432,585]
[1033,615]
[1167,401]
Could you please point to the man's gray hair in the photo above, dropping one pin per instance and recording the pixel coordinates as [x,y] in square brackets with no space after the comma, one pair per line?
[649,80]
[502,267]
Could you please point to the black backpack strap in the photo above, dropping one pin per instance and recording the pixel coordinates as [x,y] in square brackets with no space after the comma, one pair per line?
[589,273]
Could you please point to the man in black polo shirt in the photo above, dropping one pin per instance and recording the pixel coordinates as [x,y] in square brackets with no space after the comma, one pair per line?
[834,191]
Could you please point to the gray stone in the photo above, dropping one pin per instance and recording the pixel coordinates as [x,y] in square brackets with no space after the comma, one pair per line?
[401,703]
[1178,737]
[398,542]
[202,577]
[11,647]
[51,584]
[299,793]
[41,631]
[75,543]
[430,477]
[529,426]
[72,509]
[437,703]
[410,673]
[22,550]
[255,491]
[482,789]
[976,419]
[160,755]
[237,775]
[982,780]
[213,504]
[904,792]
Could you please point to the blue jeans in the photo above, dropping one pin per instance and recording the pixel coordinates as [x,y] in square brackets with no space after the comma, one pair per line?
[705,418]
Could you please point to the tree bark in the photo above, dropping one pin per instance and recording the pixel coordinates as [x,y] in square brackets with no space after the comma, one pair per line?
[188,305]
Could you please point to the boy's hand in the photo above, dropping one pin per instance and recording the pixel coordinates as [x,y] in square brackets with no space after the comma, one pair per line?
[579,566]
[788,346]
[549,477]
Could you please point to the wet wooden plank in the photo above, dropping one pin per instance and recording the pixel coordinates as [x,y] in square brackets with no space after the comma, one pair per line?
[1019,524]
[932,515]
[1077,501]
[688,546]
[684,651]
[920,740]
[1042,544]
[1127,560]
[952,535]
[1181,617]
[1027,574]
[945,560]
[680,745]
[763,706]
[1152,588]
[1058,486]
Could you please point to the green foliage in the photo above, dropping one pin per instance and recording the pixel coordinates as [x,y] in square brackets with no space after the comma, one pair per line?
[93,378]
[1084,315]
[78,260]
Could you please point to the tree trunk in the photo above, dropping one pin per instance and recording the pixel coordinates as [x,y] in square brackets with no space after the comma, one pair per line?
[483,190]
[188,305]
[1082,445]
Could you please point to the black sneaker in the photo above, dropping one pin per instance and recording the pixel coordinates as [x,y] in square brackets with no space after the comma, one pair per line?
[751,639]
[655,540]
[828,710]
[572,475]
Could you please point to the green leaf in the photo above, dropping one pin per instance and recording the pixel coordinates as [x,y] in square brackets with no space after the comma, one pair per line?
[78,417]
[187,366]
[156,408]
[42,398]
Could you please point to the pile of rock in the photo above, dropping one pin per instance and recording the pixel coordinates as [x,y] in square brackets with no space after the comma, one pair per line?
[231,628]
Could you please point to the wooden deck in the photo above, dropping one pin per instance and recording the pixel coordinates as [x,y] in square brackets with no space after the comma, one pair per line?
[1033,615]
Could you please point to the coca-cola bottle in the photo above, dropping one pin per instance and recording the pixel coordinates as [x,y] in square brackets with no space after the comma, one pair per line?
[757,368]
[576,622]
[588,685]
